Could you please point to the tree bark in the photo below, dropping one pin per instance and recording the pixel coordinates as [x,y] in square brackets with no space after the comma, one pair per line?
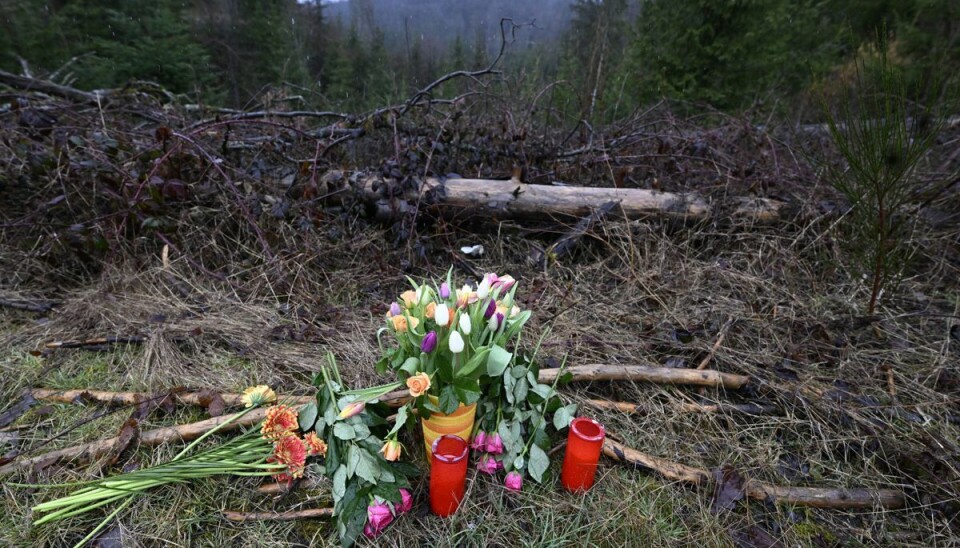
[503,199]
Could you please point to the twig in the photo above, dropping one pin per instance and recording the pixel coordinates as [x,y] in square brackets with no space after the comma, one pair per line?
[659,375]
[716,346]
[97,341]
[28,305]
[279,516]
[818,497]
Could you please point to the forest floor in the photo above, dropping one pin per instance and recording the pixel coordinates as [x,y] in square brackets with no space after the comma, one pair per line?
[229,285]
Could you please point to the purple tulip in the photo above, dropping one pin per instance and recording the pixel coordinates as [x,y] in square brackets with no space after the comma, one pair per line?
[494,444]
[479,441]
[444,291]
[378,517]
[513,481]
[394,309]
[406,501]
[491,308]
[429,342]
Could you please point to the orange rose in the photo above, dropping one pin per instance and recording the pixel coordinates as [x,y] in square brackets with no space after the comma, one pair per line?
[430,310]
[418,384]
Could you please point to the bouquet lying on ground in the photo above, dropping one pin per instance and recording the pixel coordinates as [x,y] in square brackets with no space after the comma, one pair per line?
[369,490]
[461,345]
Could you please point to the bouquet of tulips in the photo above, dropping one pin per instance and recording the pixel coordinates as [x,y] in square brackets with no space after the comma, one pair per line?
[462,346]
[447,339]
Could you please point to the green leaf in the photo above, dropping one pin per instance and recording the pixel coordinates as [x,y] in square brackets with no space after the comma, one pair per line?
[505,434]
[508,384]
[518,371]
[401,420]
[563,416]
[520,390]
[472,367]
[388,492]
[344,431]
[353,460]
[360,430]
[332,460]
[307,417]
[448,399]
[367,466]
[410,366]
[539,463]
[497,360]
[339,483]
[518,463]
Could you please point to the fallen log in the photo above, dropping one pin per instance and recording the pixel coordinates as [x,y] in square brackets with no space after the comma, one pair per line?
[658,375]
[684,407]
[309,513]
[514,199]
[817,497]
[43,86]
[134,398]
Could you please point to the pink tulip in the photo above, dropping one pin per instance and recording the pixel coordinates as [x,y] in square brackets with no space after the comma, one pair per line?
[406,501]
[494,444]
[479,441]
[444,290]
[514,481]
[378,517]
[505,283]
[352,409]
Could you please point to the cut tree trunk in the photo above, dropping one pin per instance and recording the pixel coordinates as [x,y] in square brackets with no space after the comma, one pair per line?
[512,199]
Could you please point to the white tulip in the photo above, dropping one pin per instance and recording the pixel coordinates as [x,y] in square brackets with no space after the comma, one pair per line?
[492,324]
[483,289]
[441,315]
[456,342]
[465,324]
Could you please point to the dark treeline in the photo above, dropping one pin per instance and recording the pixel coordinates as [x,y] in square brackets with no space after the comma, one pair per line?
[609,57]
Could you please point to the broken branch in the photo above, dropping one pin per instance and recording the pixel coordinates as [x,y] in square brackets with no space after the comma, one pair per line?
[658,375]
[818,497]
[279,516]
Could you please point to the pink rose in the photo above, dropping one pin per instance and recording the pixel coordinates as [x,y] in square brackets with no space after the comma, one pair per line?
[378,517]
[514,481]
[406,501]
[479,441]
[494,444]
[489,465]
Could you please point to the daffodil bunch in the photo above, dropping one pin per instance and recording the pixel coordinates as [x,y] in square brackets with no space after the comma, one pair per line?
[448,339]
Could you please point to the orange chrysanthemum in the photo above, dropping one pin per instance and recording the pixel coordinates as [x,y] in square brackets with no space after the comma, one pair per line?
[280,421]
[290,451]
[315,445]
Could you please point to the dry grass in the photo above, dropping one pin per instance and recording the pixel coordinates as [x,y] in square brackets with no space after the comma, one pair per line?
[793,317]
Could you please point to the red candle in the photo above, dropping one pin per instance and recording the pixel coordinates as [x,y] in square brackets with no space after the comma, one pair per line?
[584,443]
[448,473]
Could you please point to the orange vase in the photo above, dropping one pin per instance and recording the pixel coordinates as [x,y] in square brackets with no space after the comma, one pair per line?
[459,423]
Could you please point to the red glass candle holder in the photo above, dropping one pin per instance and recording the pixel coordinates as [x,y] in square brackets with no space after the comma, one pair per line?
[448,473]
[584,442]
